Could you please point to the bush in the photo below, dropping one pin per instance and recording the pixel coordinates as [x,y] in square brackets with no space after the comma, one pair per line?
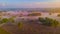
[48,21]
[4,20]
[20,25]
[58,15]
[11,20]
[41,19]
[50,13]
[34,14]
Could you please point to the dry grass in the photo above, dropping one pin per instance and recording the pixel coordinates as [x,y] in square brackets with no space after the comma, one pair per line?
[31,28]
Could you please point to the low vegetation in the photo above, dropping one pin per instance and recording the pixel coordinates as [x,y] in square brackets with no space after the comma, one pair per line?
[2,31]
[4,20]
[11,20]
[58,15]
[50,13]
[20,25]
[48,21]
[34,14]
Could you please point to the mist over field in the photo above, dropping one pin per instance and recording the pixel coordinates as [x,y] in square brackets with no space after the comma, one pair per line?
[29,16]
[30,20]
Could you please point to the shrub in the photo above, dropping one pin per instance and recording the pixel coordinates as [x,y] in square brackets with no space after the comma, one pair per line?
[55,23]
[11,20]
[34,14]
[4,20]
[48,21]
[50,13]
[58,15]
[20,25]
[41,19]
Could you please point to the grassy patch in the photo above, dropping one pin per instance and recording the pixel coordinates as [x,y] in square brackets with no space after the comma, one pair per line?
[2,31]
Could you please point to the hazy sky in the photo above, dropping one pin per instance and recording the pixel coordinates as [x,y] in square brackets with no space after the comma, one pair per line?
[29,3]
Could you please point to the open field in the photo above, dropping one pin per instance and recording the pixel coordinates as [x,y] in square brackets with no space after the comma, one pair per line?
[31,28]
[21,23]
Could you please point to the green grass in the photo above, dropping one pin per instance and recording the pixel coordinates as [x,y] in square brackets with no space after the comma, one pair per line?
[2,31]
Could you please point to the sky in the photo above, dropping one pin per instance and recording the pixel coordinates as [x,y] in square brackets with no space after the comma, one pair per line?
[29,3]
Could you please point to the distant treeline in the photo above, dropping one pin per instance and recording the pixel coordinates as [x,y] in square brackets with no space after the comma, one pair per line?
[53,10]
